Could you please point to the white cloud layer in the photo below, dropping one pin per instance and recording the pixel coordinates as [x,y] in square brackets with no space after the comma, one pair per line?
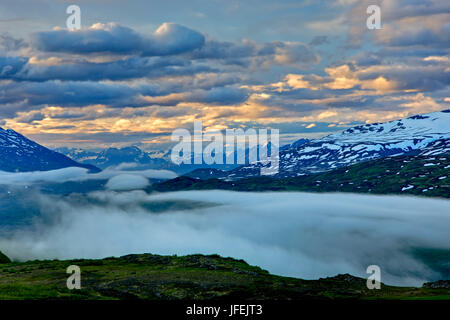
[77,174]
[293,234]
[127,182]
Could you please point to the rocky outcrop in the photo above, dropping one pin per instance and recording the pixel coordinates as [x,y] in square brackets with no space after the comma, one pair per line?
[440,284]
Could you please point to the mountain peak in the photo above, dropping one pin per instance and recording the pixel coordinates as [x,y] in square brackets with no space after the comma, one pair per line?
[20,154]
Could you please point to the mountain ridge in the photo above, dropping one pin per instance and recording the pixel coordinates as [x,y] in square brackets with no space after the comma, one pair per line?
[427,134]
[20,154]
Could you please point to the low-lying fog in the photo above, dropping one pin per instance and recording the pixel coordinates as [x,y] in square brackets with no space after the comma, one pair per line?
[293,234]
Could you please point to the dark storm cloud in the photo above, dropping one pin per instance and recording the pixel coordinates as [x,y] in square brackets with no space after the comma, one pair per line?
[79,94]
[9,107]
[277,52]
[169,39]
[107,138]
[69,115]
[9,66]
[432,76]
[214,96]
[309,94]
[169,112]
[68,93]
[18,69]
[225,95]
[417,53]
[405,24]
[171,52]
[31,117]
[9,43]
[223,50]
[60,127]
[421,37]
[367,59]
[319,40]
[416,8]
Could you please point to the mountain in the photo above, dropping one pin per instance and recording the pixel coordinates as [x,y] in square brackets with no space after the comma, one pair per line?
[19,154]
[427,134]
[413,175]
[135,158]
[129,157]
[116,156]
[294,144]
[422,135]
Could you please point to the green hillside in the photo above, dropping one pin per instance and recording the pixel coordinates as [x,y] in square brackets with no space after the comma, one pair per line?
[212,277]
[413,175]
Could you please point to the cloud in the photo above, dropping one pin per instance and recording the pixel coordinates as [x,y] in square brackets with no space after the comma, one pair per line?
[375,75]
[81,174]
[68,93]
[249,52]
[59,175]
[168,39]
[295,53]
[405,23]
[319,40]
[337,24]
[215,96]
[292,234]
[225,95]
[20,69]
[171,38]
[88,93]
[11,65]
[124,182]
[30,117]
[9,43]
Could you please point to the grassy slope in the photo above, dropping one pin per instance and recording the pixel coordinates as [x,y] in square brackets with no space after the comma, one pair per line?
[155,277]
[381,176]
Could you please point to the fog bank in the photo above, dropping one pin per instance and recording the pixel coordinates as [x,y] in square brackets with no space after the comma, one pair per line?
[293,234]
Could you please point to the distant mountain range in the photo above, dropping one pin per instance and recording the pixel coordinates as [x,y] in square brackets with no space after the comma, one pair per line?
[427,135]
[20,154]
[116,156]
[134,157]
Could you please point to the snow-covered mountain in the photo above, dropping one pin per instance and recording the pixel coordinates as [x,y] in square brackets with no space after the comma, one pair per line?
[427,134]
[19,154]
[131,155]
[134,158]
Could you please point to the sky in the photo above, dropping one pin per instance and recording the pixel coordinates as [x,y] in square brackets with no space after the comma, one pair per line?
[137,70]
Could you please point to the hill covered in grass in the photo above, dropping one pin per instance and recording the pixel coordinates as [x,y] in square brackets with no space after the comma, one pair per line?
[4,258]
[210,277]
[413,175]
